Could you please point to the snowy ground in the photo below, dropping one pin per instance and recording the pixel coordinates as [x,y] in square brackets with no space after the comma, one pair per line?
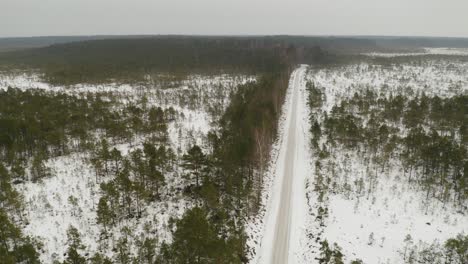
[50,212]
[373,227]
[198,100]
[438,77]
[371,224]
[425,51]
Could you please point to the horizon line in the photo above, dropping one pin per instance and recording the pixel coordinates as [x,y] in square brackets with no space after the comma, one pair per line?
[237,35]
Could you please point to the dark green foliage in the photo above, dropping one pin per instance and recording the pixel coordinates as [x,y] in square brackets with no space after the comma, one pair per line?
[316,130]
[38,169]
[35,122]
[330,255]
[346,128]
[123,255]
[453,251]
[10,200]
[100,259]
[315,101]
[195,240]
[14,247]
[316,96]
[147,250]
[157,123]
[158,161]
[135,179]
[456,249]
[433,145]
[194,162]
[104,214]
[42,124]
[74,247]
[225,176]
[18,170]
[130,59]
[251,116]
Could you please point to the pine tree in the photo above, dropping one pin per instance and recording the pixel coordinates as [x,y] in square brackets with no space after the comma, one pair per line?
[74,247]
[125,186]
[147,250]
[100,259]
[116,157]
[104,154]
[123,255]
[155,160]
[195,240]
[104,214]
[38,169]
[194,162]
[112,195]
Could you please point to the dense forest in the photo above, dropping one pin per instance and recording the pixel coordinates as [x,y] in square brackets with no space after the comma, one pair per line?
[130,59]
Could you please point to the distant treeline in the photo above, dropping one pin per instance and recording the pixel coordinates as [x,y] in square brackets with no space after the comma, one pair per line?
[129,59]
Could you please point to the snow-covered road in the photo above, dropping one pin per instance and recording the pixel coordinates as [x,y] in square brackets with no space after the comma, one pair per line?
[286,206]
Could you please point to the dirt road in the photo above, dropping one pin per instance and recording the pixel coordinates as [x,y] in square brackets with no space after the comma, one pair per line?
[281,243]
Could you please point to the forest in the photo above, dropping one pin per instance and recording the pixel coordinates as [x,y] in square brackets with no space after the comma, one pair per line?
[223,180]
[99,61]
[433,143]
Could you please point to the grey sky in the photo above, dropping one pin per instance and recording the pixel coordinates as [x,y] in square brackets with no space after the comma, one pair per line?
[213,17]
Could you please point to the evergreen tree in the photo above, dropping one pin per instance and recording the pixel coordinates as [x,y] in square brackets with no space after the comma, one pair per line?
[147,250]
[104,214]
[125,187]
[104,154]
[38,169]
[195,240]
[194,162]
[100,259]
[123,255]
[116,157]
[74,247]
[457,249]
[112,195]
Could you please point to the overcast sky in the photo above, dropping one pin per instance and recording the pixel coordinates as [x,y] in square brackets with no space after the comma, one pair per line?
[234,17]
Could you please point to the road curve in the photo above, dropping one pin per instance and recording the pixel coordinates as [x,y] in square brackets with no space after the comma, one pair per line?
[281,243]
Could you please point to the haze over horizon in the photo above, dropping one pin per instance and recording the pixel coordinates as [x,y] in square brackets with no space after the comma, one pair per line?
[430,18]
